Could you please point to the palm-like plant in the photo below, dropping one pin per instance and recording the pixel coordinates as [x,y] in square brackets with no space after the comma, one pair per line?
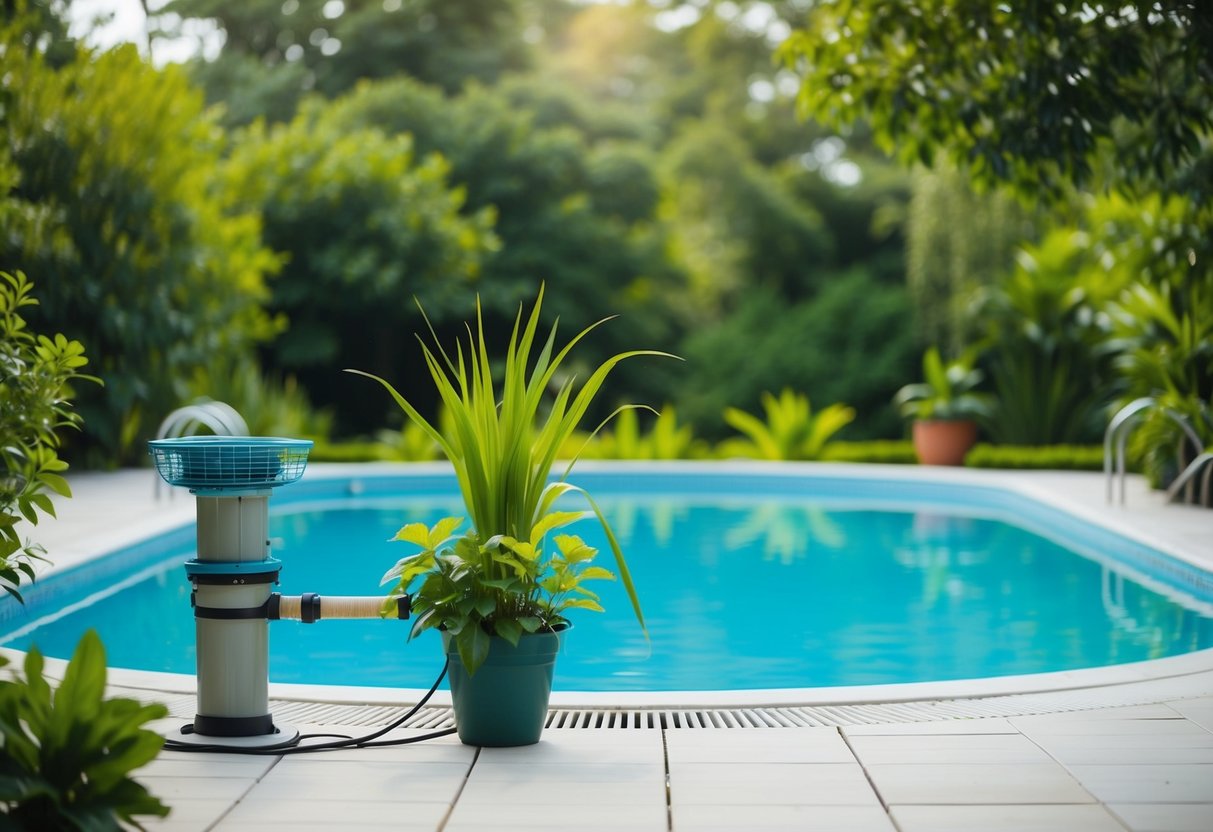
[791,429]
[947,393]
[503,443]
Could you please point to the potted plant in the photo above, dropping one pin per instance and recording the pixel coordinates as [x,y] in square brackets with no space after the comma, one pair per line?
[499,593]
[944,409]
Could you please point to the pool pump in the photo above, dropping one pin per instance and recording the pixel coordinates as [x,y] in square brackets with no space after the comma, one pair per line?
[232,578]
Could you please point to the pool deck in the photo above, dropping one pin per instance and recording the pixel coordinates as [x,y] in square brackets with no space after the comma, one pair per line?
[1129,750]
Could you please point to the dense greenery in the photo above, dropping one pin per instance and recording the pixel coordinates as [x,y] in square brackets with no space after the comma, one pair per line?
[36,372]
[69,751]
[645,160]
[115,208]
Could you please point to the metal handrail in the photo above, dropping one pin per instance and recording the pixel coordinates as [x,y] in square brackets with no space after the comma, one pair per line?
[1117,435]
[221,418]
[1118,428]
[1202,461]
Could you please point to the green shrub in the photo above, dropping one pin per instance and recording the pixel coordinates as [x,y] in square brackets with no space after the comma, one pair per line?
[67,753]
[351,452]
[887,451]
[35,402]
[1057,457]
[791,429]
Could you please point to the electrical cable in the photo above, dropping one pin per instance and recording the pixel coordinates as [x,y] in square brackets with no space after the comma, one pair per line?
[370,740]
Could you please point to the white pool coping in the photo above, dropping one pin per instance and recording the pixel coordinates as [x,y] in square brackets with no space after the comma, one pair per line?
[110,511]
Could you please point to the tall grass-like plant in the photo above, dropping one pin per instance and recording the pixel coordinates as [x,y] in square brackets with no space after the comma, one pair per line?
[503,440]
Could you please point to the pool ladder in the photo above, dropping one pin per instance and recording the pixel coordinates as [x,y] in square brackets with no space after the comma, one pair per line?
[1117,434]
[221,418]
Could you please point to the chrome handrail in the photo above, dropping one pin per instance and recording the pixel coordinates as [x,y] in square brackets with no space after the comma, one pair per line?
[1203,460]
[1118,429]
[1117,435]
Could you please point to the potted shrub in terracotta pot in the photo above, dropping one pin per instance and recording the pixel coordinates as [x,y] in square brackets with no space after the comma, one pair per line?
[945,408]
[499,592]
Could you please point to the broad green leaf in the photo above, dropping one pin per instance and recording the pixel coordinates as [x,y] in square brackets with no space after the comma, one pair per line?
[442,530]
[574,548]
[415,533]
[56,483]
[508,629]
[554,520]
[583,604]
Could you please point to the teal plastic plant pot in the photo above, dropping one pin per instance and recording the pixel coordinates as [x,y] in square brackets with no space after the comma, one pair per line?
[506,702]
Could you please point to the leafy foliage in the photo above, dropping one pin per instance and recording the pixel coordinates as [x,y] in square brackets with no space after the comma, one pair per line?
[362,222]
[503,452]
[68,753]
[276,52]
[949,391]
[545,186]
[1051,457]
[35,404]
[665,438]
[957,242]
[1023,94]
[791,429]
[1044,343]
[500,586]
[115,207]
[849,343]
[271,405]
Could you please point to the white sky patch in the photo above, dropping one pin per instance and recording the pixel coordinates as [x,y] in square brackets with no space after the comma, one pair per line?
[124,22]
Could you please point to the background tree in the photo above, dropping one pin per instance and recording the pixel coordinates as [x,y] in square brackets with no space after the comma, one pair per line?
[365,227]
[115,207]
[276,52]
[1024,94]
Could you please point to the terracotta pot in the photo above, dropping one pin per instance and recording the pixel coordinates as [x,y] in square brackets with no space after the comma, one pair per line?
[944,441]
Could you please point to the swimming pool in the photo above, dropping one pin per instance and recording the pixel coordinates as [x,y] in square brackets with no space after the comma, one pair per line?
[749,580]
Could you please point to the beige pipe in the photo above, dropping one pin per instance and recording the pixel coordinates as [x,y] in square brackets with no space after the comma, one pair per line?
[338,606]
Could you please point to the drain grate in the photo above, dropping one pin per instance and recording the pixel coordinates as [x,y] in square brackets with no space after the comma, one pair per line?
[807,716]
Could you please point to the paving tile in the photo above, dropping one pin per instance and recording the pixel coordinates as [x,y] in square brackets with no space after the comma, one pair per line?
[969,784]
[197,788]
[532,792]
[1198,711]
[1157,711]
[446,749]
[1165,817]
[1014,818]
[580,746]
[779,818]
[291,826]
[1055,726]
[760,745]
[1128,741]
[361,780]
[767,784]
[1164,783]
[335,814]
[545,774]
[604,813]
[982,725]
[1161,754]
[973,749]
[184,764]
[188,813]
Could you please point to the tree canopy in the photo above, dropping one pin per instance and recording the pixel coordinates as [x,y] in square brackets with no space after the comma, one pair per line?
[1026,93]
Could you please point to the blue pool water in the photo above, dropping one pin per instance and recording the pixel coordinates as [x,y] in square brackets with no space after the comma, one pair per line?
[747,581]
